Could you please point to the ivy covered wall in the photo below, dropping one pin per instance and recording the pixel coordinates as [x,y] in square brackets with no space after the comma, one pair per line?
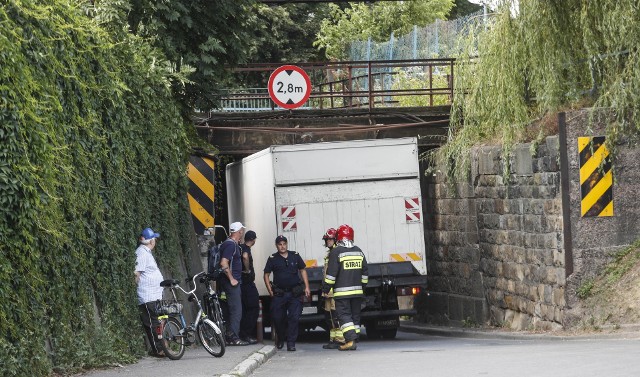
[92,150]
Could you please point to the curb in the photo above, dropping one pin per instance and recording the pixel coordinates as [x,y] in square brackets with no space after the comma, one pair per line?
[454,332]
[251,363]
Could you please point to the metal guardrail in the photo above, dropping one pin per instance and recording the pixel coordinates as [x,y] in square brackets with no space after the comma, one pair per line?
[354,84]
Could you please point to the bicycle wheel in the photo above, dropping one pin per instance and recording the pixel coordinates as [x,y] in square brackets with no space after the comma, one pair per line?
[217,318]
[211,338]
[173,342]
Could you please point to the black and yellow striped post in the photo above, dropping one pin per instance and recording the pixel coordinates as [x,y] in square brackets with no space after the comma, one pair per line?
[201,192]
[596,177]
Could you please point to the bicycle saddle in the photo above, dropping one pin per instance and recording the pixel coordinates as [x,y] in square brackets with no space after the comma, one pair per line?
[169,283]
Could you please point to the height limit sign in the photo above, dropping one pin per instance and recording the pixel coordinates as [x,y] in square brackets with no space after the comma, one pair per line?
[289,86]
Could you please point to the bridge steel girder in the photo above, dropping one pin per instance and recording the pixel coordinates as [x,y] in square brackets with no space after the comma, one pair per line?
[242,134]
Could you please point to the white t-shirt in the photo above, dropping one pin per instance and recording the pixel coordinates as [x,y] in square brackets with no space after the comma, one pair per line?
[149,288]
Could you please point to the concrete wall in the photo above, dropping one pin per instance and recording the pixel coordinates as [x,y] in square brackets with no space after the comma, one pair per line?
[597,239]
[496,245]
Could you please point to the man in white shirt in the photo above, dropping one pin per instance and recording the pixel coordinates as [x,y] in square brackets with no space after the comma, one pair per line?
[148,278]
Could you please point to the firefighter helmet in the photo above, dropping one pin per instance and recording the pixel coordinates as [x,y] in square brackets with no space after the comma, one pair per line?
[345,232]
[330,234]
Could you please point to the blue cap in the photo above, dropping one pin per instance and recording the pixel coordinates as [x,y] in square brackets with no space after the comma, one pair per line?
[280,239]
[149,234]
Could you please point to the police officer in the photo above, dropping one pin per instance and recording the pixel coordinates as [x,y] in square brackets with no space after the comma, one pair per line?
[347,274]
[335,334]
[250,297]
[286,291]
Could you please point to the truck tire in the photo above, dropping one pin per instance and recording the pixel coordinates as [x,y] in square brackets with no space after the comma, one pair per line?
[389,333]
[372,333]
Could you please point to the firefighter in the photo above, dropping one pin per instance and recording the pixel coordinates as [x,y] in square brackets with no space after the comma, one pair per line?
[347,274]
[335,334]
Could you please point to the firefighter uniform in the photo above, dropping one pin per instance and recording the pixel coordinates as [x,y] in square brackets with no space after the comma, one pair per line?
[335,334]
[347,275]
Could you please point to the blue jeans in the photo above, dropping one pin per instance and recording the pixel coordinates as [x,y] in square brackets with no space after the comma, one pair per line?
[234,300]
[285,314]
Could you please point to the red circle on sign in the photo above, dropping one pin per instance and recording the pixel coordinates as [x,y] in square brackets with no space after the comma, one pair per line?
[273,95]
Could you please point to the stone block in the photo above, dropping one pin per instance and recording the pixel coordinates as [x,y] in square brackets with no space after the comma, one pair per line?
[532,223]
[522,160]
[489,160]
[558,298]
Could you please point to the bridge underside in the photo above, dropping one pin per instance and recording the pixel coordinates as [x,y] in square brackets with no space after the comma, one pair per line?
[247,133]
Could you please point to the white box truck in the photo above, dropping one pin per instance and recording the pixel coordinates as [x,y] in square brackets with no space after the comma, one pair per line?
[300,191]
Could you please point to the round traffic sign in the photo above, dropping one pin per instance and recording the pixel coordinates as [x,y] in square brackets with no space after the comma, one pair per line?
[289,86]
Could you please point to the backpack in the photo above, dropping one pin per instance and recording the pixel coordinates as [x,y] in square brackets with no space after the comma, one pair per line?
[214,257]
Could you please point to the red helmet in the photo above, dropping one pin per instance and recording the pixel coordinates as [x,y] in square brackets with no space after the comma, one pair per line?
[345,232]
[330,234]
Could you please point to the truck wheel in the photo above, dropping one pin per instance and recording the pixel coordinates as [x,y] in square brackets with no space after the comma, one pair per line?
[373,333]
[389,333]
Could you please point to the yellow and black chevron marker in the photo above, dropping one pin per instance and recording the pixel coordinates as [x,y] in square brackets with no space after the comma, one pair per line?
[596,177]
[201,192]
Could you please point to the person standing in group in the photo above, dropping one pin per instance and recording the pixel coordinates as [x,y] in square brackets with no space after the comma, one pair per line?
[148,278]
[286,291]
[231,262]
[335,334]
[250,297]
[347,274]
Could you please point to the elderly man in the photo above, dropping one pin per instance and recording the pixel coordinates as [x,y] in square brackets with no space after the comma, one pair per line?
[231,262]
[148,278]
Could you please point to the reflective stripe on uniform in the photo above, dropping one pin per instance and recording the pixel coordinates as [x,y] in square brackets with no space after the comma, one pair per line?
[348,291]
[359,257]
[349,326]
[350,254]
[365,279]
[357,329]
[329,279]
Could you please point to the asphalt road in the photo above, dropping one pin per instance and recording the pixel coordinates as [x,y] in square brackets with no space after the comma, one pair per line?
[428,355]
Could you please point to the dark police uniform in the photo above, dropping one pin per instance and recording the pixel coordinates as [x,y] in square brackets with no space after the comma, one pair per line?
[288,290]
[250,300]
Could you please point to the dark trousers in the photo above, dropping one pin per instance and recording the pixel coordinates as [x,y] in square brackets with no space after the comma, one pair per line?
[285,314]
[234,301]
[250,310]
[348,312]
[150,323]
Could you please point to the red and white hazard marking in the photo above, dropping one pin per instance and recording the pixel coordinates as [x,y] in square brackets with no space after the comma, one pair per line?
[288,218]
[412,210]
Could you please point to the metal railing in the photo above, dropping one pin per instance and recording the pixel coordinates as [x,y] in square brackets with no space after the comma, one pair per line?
[354,84]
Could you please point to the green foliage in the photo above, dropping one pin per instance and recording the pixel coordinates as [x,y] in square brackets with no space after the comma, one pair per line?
[361,21]
[463,8]
[418,79]
[92,149]
[548,56]
[197,37]
[286,33]
[623,262]
[586,289]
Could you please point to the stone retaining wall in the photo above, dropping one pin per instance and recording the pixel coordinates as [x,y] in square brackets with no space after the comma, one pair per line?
[495,245]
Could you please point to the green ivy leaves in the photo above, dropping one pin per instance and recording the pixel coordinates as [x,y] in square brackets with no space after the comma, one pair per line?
[92,150]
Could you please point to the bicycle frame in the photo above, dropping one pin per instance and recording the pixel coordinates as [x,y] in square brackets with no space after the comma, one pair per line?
[192,296]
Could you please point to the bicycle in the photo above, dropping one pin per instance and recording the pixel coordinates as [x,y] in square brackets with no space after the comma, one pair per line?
[175,333]
[211,300]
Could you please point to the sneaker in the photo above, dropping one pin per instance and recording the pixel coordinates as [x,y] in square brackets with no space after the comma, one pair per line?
[250,340]
[280,345]
[331,346]
[238,342]
[349,346]
[291,348]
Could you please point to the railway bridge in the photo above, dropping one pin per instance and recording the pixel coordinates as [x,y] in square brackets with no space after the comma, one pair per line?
[349,100]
